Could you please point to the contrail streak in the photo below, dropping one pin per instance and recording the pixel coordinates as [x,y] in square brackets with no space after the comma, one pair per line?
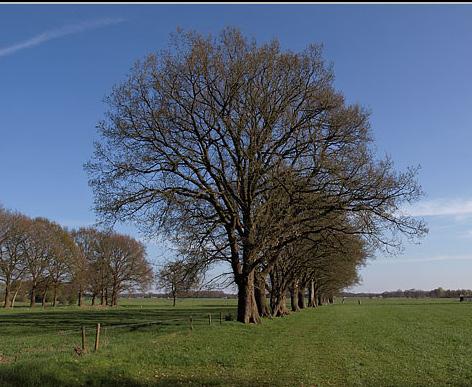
[57,33]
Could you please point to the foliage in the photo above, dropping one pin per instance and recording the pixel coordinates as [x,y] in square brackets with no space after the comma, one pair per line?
[245,154]
[38,256]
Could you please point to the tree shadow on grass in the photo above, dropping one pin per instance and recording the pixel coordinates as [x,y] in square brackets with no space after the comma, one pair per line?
[63,320]
[29,375]
[33,376]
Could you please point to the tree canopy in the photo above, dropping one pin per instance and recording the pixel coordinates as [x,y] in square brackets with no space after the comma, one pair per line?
[245,153]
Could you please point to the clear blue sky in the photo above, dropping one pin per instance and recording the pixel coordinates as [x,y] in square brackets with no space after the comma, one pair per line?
[410,64]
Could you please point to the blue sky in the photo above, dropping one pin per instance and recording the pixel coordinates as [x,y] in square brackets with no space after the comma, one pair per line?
[411,65]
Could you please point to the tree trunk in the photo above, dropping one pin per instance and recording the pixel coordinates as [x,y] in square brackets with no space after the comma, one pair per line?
[102,297]
[33,297]
[320,300]
[280,307]
[115,294]
[311,295]
[272,294]
[43,299]
[79,298]
[14,296]
[54,297]
[294,297]
[106,296]
[6,303]
[173,297]
[301,297]
[247,306]
[260,295]
[94,297]
[112,300]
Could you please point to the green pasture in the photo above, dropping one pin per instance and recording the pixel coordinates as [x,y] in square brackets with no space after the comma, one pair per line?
[397,342]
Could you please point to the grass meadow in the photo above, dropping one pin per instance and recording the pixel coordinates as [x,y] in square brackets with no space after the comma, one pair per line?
[147,342]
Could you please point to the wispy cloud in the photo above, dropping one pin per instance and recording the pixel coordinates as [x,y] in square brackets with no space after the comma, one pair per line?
[441,207]
[57,33]
[466,234]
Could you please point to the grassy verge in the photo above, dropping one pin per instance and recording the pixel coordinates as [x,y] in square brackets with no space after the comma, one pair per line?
[381,342]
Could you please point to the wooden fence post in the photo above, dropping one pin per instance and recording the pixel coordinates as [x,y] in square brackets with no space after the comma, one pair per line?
[209,318]
[83,339]
[191,323]
[97,337]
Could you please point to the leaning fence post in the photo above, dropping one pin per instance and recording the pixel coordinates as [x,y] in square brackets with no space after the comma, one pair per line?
[191,323]
[209,318]
[97,337]
[83,339]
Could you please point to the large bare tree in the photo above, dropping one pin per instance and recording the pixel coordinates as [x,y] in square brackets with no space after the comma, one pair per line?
[235,148]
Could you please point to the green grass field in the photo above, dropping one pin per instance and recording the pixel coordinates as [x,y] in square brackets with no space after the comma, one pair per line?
[378,343]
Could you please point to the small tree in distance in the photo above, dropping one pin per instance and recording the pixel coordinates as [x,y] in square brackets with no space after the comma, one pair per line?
[177,277]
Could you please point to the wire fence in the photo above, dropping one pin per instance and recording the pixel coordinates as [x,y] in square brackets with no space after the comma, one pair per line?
[25,337]
[196,319]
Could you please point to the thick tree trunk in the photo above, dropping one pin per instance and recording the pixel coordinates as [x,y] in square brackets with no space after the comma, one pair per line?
[106,296]
[173,297]
[294,297]
[280,308]
[102,297]
[311,295]
[94,297]
[247,306]
[320,300]
[260,295]
[301,297]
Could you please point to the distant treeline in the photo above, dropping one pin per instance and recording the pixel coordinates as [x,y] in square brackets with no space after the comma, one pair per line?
[44,262]
[415,293]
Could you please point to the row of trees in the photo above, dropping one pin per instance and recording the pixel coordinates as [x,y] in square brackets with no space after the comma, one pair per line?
[246,154]
[416,293]
[39,256]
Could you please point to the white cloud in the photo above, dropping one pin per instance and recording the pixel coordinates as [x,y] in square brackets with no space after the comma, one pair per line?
[466,234]
[57,33]
[441,207]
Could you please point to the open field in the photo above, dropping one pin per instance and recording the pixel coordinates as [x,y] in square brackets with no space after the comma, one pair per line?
[380,342]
